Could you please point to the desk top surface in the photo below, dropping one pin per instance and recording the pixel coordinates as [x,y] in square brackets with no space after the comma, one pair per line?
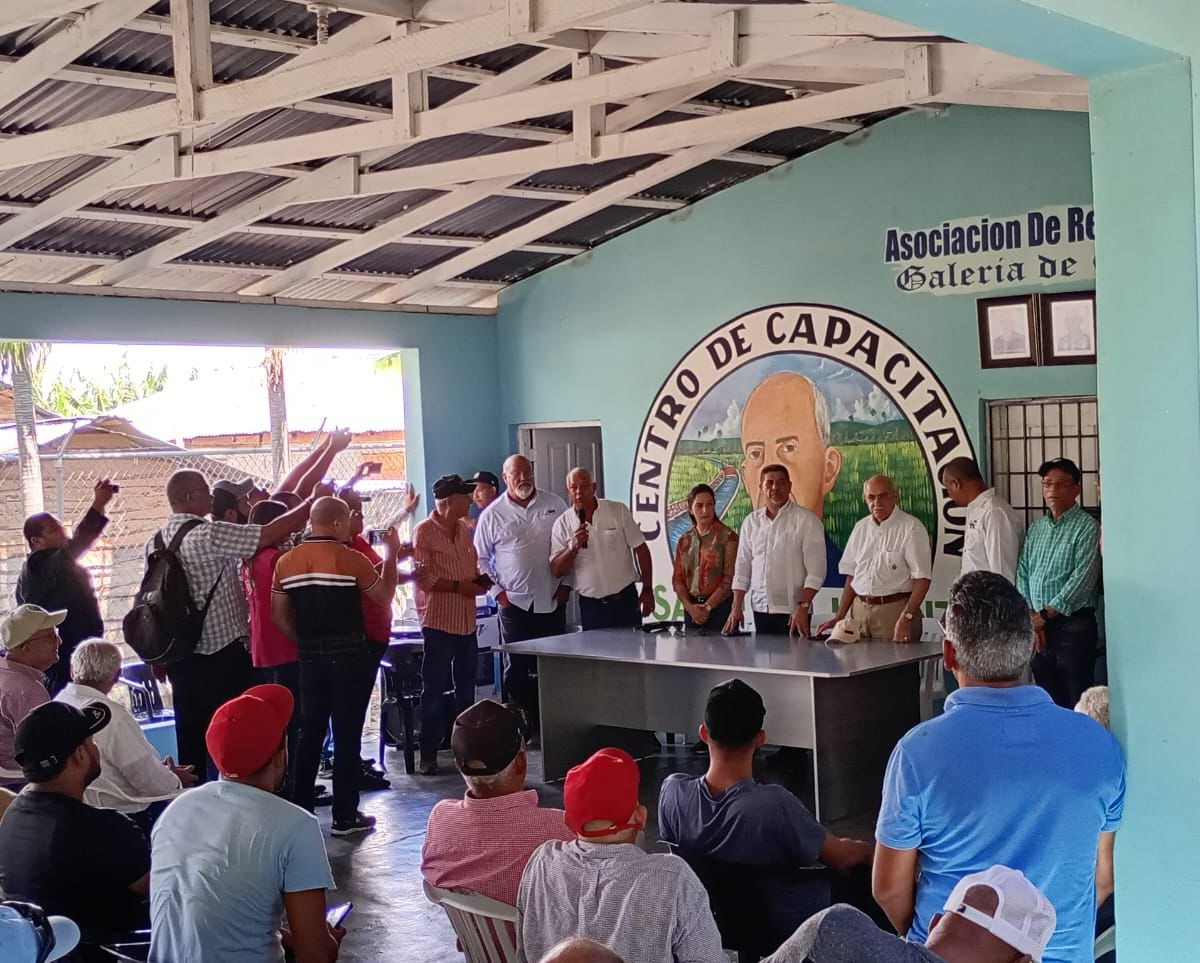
[749,653]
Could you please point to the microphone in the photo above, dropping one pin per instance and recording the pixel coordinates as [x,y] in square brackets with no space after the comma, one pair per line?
[582,521]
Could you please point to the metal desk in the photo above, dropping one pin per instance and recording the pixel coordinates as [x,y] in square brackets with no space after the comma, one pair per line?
[849,704]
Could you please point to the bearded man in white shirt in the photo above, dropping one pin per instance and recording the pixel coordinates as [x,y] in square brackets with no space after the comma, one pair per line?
[133,779]
[888,566]
[994,530]
[780,560]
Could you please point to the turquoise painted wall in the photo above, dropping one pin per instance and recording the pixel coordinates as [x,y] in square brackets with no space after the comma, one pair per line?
[450,411]
[593,339]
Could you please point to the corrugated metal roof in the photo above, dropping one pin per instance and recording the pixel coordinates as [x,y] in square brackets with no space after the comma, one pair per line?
[56,103]
[513,266]
[271,125]
[491,216]
[267,250]
[703,180]
[590,176]
[96,237]
[359,212]
[204,197]
[400,259]
[40,181]
[601,226]
[451,148]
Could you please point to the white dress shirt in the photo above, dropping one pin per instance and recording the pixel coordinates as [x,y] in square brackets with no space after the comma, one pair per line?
[779,558]
[132,776]
[606,565]
[884,557]
[513,544]
[993,539]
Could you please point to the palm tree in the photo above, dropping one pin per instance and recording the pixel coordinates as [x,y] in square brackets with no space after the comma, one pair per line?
[19,360]
[281,455]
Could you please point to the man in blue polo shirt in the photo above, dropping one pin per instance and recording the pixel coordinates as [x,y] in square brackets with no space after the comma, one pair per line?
[1004,776]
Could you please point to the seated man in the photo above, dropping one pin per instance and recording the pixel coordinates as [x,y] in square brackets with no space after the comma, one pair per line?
[230,857]
[90,865]
[725,815]
[28,935]
[996,916]
[602,885]
[30,638]
[1004,777]
[133,780]
[481,843]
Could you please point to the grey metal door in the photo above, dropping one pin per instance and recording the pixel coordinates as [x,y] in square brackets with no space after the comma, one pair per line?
[555,451]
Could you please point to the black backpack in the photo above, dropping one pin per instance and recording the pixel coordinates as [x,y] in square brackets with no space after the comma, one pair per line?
[165,624]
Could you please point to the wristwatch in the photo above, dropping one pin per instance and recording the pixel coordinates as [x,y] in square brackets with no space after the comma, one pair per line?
[806,605]
[909,616]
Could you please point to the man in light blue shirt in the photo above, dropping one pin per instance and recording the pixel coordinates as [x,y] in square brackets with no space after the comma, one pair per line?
[512,539]
[1003,777]
[229,857]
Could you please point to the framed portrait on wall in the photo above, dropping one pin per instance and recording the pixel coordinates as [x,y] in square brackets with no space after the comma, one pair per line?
[1068,328]
[1008,332]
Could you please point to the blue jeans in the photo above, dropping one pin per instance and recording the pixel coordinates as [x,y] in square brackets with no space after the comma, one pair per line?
[444,651]
[336,678]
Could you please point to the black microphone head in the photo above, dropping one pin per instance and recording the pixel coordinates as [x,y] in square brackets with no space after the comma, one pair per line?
[582,516]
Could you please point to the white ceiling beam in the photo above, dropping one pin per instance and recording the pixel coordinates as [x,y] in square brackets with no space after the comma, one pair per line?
[410,92]
[780,19]
[160,154]
[1021,99]
[726,132]
[289,84]
[191,44]
[74,40]
[231,36]
[21,13]
[342,172]
[547,223]
[455,118]
[587,118]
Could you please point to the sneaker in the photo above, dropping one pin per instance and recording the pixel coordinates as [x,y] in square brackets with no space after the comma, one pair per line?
[428,766]
[371,769]
[369,782]
[361,823]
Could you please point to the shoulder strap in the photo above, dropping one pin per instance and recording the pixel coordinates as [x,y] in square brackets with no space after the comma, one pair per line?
[181,533]
[159,544]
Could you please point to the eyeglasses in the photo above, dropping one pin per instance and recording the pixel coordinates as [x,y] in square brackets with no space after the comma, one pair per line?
[356,514]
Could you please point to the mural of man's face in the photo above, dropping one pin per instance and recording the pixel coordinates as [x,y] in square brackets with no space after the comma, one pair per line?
[779,425]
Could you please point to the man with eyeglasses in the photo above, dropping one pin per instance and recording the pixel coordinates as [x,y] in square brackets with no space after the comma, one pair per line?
[1059,575]
[219,667]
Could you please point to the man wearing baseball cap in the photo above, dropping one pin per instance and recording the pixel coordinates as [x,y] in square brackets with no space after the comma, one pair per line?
[642,906]
[447,584]
[90,865]
[487,490]
[232,501]
[481,843]
[30,638]
[230,857]
[725,815]
[996,916]
[28,935]
[1058,575]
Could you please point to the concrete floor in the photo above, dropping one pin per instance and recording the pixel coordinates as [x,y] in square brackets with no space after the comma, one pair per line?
[380,871]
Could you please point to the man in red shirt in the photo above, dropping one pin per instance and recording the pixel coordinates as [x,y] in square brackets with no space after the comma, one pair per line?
[481,843]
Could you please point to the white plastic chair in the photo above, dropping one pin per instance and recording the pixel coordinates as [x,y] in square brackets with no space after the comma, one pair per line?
[486,928]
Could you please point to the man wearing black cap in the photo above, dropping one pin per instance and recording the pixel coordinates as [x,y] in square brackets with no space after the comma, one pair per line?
[447,584]
[725,815]
[1058,576]
[91,865]
[482,842]
[232,501]
[487,490]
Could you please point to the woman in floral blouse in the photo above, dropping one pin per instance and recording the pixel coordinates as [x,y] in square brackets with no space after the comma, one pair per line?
[704,557]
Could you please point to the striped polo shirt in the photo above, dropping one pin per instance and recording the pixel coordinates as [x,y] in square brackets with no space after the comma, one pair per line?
[324,580]
[449,555]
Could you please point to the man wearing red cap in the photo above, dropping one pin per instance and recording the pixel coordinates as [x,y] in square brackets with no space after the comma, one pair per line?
[230,857]
[642,906]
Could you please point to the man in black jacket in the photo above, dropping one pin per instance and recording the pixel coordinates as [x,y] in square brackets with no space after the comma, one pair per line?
[53,578]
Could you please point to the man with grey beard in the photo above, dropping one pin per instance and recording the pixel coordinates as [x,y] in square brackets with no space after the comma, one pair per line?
[512,538]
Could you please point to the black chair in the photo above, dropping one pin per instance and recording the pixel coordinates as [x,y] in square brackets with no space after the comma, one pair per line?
[750,923]
[104,947]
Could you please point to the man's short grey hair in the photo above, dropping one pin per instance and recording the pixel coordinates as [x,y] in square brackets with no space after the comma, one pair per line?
[988,624]
[490,783]
[95,662]
[1094,703]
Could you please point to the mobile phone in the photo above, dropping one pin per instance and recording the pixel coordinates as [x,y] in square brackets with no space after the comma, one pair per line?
[375,536]
[336,915]
[114,488]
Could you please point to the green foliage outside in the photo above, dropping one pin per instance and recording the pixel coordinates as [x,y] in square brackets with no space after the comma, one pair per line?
[899,456]
[80,394]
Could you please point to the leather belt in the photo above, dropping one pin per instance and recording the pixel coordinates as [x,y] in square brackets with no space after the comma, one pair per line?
[884,599]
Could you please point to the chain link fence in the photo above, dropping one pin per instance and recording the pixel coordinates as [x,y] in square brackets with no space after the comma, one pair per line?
[140,508]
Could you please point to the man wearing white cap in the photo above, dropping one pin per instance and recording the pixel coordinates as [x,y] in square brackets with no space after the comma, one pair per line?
[996,916]
[27,935]
[30,637]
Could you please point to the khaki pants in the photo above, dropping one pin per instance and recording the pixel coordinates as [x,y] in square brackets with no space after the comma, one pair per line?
[879,621]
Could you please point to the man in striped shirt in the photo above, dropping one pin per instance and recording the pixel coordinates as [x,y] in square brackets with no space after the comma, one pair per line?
[1058,576]
[317,600]
[447,584]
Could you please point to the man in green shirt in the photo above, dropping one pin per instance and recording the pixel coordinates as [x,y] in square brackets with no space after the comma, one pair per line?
[1059,575]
